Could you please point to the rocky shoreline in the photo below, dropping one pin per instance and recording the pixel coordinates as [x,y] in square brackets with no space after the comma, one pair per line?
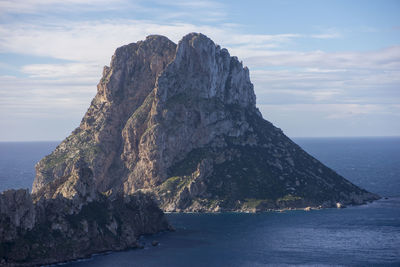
[57,230]
[261,208]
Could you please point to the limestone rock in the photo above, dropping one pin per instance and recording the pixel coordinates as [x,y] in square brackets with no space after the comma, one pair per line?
[54,230]
[16,212]
[180,121]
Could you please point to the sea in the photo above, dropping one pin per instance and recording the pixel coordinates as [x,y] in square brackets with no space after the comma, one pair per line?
[367,235]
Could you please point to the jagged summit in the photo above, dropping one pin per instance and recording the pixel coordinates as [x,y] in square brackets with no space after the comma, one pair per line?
[181,121]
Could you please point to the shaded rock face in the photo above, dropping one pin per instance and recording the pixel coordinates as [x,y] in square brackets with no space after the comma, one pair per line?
[181,122]
[17,212]
[55,230]
[69,219]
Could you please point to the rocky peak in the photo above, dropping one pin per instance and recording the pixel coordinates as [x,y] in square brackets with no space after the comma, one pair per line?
[123,88]
[181,121]
[190,104]
[206,71]
[135,67]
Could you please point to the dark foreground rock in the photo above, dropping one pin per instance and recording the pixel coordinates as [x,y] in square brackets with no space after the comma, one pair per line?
[57,230]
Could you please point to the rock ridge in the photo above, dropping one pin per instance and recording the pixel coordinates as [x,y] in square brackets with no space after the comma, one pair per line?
[181,122]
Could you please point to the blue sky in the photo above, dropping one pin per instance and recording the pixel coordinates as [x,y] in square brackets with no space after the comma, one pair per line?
[319,68]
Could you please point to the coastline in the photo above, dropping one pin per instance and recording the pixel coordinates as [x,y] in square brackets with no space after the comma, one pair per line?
[89,257]
[138,245]
[262,205]
[56,230]
[254,211]
[384,193]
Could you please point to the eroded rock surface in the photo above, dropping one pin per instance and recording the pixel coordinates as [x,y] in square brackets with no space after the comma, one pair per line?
[56,230]
[181,122]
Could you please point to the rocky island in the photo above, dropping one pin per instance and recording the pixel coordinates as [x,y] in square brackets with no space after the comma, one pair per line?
[181,122]
[171,126]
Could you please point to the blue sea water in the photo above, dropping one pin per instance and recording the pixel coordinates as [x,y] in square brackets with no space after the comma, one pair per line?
[367,235]
[17,162]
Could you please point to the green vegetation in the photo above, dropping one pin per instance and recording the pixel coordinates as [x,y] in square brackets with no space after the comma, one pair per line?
[91,150]
[212,202]
[106,79]
[174,184]
[189,164]
[54,159]
[247,175]
[252,202]
[141,112]
[289,198]
[171,183]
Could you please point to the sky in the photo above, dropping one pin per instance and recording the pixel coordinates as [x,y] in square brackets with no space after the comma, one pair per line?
[319,68]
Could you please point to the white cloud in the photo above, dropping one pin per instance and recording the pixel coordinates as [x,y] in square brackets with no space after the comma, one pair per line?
[254,39]
[388,58]
[193,4]
[38,6]
[32,98]
[308,120]
[95,41]
[74,70]
[301,76]
[86,41]
[204,11]
[335,84]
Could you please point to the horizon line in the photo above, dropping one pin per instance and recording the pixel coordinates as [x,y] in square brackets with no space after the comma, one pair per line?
[291,137]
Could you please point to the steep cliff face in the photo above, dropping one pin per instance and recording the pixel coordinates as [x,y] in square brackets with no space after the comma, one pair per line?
[69,218]
[181,122]
[57,230]
[187,110]
[121,91]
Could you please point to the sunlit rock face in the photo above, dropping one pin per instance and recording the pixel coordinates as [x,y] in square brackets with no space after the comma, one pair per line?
[181,122]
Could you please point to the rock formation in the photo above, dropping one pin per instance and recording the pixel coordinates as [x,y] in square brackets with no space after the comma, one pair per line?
[73,222]
[181,122]
[176,124]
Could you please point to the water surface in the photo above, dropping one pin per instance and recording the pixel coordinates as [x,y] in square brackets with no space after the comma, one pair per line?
[356,236]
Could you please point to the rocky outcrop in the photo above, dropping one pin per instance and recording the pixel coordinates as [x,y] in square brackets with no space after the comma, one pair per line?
[17,213]
[56,230]
[70,219]
[180,121]
[123,88]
